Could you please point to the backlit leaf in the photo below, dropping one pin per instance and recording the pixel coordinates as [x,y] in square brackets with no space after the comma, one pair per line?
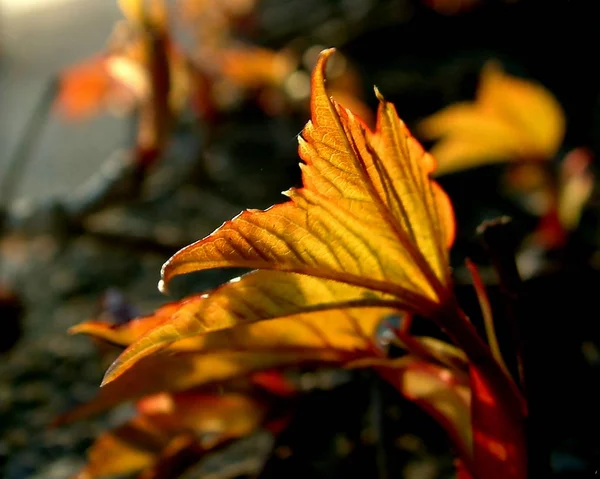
[334,337]
[511,119]
[347,329]
[368,229]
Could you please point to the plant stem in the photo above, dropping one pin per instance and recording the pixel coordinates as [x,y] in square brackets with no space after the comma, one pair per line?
[501,244]
[487,314]
[498,408]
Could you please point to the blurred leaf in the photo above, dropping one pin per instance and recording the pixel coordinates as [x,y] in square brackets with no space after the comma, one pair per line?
[512,119]
[215,416]
[142,12]
[133,70]
[576,183]
[126,449]
[182,453]
[83,89]
[191,421]
[557,197]
[253,67]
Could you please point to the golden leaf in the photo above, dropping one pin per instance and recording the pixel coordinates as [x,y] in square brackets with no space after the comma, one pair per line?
[368,229]
[511,119]
[335,338]
[253,67]
[350,330]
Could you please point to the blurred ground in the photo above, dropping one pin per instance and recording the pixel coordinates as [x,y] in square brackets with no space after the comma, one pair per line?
[37,40]
[427,61]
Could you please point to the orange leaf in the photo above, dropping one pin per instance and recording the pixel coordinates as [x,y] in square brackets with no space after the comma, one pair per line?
[335,338]
[368,229]
[511,119]
[349,330]
[126,449]
[83,88]
[212,419]
[218,416]
[255,67]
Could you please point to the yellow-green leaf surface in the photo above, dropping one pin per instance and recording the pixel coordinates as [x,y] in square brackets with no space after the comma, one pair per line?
[511,119]
[368,229]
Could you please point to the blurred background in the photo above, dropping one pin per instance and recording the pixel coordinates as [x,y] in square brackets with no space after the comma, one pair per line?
[125,136]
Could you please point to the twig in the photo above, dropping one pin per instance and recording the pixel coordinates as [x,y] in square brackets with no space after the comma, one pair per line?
[19,161]
[486,312]
[376,424]
[499,241]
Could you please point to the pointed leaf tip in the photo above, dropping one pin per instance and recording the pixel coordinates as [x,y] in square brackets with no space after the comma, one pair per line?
[109,373]
[368,228]
[325,54]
